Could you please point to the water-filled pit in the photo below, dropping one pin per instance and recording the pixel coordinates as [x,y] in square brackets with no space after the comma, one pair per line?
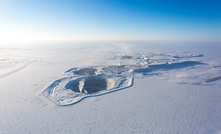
[85,71]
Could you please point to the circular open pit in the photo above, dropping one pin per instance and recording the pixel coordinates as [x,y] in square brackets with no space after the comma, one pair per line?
[90,84]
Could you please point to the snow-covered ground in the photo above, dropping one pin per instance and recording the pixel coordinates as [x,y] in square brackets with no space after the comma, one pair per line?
[104,87]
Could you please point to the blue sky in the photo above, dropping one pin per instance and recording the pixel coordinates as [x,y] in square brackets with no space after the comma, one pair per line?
[183,20]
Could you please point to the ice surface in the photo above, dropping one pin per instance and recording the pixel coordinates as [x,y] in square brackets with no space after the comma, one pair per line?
[13,60]
[174,88]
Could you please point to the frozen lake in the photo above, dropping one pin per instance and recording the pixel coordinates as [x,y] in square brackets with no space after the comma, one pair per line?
[106,87]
